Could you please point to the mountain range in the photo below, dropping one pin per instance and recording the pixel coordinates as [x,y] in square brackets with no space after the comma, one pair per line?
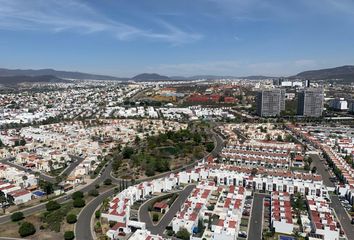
[16,76]
[59,74]
[343,73]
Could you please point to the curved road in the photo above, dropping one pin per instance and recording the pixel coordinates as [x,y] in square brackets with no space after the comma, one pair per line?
[83,228]
[40,207]
[144,215]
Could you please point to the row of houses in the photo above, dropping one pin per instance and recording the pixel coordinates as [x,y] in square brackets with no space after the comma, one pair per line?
[18,184]
[233,184]
[346,170]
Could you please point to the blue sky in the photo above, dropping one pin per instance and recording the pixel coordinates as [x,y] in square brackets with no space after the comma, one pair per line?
[177,37]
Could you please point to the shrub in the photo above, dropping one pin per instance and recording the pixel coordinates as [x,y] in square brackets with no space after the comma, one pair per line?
[210,146]
[98,214]
[79,203]
[94,193]
[112,223]
[77,195]
[52,205]
[71,218]
[183,234]
[69,235]
[155,217]
[98,228]
[97,186]
[107,181]
[17,216]
[26,229]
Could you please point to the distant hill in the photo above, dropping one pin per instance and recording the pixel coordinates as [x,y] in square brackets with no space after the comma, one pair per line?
[216,77]
[15,80]
[344,73]
[149,77]
[59,74]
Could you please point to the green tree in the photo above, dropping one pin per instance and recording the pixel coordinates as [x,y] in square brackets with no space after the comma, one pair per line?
[17,216]
[3,200]
[94,193]
[210,146]
[52,205]
[98,214]
[183,234]
[127,152]
[71,218]
[26,229]
[47,187]
[69,235]
[79,203]
[155,217]
[77,194]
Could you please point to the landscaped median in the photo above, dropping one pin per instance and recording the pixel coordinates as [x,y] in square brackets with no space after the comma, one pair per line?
[160,205]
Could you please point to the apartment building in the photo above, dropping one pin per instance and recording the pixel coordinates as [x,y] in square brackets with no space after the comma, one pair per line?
[270,102]
[310,102]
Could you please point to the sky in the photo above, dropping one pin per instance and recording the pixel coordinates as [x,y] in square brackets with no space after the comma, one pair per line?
[177,37]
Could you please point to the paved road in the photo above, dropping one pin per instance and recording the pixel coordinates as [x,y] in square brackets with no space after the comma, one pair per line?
[76,161]
[83,225]
[144,215]
[83,228]
[40,207]
[256,222]
[335,203]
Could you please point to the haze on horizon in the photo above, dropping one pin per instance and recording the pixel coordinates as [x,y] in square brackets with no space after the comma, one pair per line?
[221,37]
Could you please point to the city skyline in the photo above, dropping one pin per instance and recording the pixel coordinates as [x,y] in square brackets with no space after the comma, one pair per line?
[181,38]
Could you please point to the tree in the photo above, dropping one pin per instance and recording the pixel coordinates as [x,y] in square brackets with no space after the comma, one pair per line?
[47,187]
[52,205]
[10,199]
[26,229]
[98,214]
[210,146]
[3,201]
[94,193]
[200,225]
[17,216]
[183,234]
[108,181]
[127,152]
[69,235]
[137,139]
[77,194]
[314,170]
[71,218]
[79,203]
[279,138]
[24,178]
[155,217]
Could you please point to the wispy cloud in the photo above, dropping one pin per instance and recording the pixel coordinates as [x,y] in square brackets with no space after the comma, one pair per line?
[74,15]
